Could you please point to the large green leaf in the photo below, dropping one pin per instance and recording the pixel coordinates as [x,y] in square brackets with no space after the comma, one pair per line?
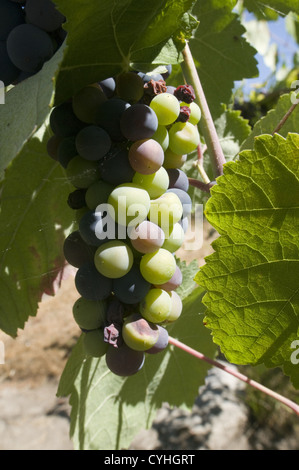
[26,108]
[268,123]
[105,37]
[108,411]
[252,278]
[33,217]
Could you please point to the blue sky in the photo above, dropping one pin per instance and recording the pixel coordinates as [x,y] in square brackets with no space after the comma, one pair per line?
[287,47]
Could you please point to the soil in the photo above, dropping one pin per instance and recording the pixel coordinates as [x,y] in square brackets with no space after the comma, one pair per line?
[33,418]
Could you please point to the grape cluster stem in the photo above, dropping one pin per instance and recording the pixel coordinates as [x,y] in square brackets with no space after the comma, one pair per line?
[206,125]
[285,401]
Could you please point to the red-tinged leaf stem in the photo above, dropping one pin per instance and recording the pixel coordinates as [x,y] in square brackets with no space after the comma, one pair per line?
[206,124]
[285,401]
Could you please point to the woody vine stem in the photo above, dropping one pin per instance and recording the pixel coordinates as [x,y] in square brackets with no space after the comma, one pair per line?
[215,151]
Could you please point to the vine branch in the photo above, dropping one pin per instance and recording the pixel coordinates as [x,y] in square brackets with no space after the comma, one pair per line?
[284,119]
[206,123]
[285,401]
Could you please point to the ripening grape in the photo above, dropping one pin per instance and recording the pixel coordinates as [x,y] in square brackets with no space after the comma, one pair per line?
[146,156]
[138,333]
[174,282]
[178,179]
[114,259]
[162,342]
[156,305]
[147,237]
[158,267]
[176,306]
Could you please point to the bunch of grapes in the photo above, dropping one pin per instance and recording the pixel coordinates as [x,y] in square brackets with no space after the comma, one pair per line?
[123,142]
[30,33]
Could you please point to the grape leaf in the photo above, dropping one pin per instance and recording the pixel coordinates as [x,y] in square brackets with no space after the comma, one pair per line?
[282,7]
[252,277]
[25,110]
[108,411]
[268,123]
[105,37]
[32,223]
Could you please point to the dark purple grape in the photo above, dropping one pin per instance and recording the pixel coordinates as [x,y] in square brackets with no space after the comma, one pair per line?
[76,199]
[178,179]
[91,284]
[124,361]
[93,143]
[9,73]
[11,15]
[63,121]
[76,251]
[138,122]
[43,14]
[66,151]
[162,342]
[131,288]
[108,86]
[109,115]
[29,47]
[115,167]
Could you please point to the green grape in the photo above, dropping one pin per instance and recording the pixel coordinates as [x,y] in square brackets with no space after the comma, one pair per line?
[147,237]
[113,259]
[87,101]
[98,193]
[166,107]
[138,333]
[156,305]
[129,204]
[195,113]
[155,184]
[166,211]
[183,138]
[161,136]
[158,268]
[175,238]
[88,314]
[94,344]
[176,306]
[173,160]
[81,172]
